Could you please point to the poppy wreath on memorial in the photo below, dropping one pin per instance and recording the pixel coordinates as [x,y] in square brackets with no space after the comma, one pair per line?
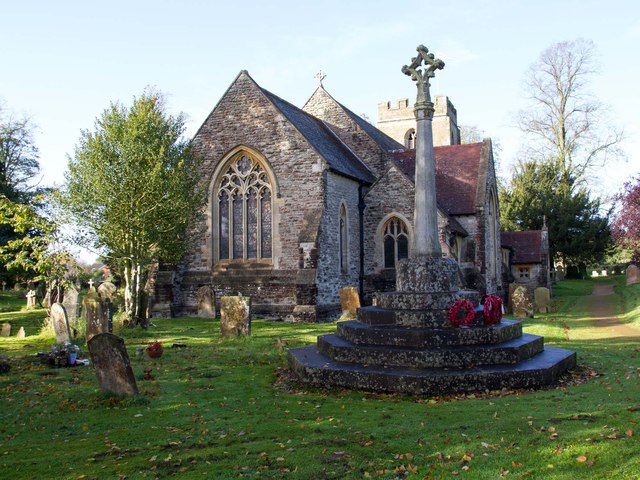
[461,313]
[492,309]
[155,349]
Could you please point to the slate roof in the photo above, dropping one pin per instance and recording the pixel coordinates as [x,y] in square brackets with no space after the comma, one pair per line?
[385,141]
[339,157]
[457,172]
[526,245]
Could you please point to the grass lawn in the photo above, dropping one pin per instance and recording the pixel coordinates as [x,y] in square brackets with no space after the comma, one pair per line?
[220,409]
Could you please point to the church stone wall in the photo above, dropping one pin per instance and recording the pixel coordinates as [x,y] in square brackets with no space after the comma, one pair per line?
[339,191]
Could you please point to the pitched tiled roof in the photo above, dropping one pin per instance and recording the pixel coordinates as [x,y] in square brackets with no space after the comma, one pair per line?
[527,245]
[339,157]
[457,172]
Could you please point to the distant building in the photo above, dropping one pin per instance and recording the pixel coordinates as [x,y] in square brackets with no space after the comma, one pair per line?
[526,256]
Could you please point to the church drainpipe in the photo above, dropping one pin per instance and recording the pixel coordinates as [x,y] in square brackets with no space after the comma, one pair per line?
[361,206]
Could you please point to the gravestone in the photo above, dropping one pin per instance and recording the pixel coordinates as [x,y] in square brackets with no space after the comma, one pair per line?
[603,273]
[112,365]
[206,302]
[31,299]
[521,302]
[21,333]
[350,302]
[58,317]
[542,300]
[594,273]
[107,290]
[70,304]
[235,316]
[93,314]
[6,330]
[633,274]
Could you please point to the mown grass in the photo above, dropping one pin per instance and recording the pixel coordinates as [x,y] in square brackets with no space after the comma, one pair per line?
[221,408]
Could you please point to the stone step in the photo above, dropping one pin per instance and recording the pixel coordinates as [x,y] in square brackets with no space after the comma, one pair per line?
[537,371]
[360,334]
[508,352]
[421,301]
[424,318]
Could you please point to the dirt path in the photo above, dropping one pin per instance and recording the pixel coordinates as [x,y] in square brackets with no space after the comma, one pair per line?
[603,312]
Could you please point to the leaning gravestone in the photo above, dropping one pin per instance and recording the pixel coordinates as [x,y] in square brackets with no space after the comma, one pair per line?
[111,361]
[107,290]
[235,316]
[521,301]
[542,299]
[21,333]
[350,302]
[206,302]
[92,313]
[633,274]
[58,317]
[6,330]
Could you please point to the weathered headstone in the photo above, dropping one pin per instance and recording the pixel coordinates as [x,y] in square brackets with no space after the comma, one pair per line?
[93,315]
[6,330]
[542,300]
[603,273]
[70,304]
[111,361]
[350,302]
[31,299]
[206,302]
[59,319]
[235,316]
[521,301]
[595,273]
[107,290]
[21,333]
[633,274]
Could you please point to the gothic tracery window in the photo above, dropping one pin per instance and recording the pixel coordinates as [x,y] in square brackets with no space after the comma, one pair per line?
[244,217]
[396,242]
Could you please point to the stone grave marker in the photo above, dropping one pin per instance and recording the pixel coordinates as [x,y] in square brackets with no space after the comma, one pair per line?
[58,317]
[6,330]
[594,273]
[112,365]
[93,315]
[633,274]
[235,316]
[603,273]
[107,290]
[521,301]
[21,333]
[206,302]
[31,299]
[350,302]
[70,304]
[542,300]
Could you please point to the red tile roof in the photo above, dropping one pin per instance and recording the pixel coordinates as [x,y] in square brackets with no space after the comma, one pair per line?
[457,172]
[527,245]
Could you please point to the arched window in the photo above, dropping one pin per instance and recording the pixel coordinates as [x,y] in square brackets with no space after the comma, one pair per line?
[344,242]
[396,242]
[410,139]
[244,217]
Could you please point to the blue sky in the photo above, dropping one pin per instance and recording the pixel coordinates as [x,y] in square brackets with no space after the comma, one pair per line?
[64,62]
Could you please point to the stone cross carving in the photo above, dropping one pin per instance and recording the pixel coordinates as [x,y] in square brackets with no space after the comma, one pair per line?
[320,76]
[425,212]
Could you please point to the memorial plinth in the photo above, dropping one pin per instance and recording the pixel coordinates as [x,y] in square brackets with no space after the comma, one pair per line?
[405,342]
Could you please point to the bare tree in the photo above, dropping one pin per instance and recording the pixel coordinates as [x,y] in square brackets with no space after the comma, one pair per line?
[568,125]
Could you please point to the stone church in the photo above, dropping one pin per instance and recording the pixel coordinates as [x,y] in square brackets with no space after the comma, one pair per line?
[306,201]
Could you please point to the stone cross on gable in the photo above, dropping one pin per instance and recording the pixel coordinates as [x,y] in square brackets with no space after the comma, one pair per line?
[320,76]
[425,212]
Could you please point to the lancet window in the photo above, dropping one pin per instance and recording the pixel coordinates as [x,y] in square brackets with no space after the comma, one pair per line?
[396,242]
[244,213]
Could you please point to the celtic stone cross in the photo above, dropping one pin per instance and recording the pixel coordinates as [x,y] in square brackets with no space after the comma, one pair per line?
[421,77]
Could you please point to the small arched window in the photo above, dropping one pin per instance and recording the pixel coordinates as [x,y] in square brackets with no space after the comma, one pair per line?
[396,242]
[244,217]
[343,240]
[410,139]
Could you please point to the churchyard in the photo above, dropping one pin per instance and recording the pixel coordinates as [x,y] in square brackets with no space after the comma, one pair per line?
[226,407]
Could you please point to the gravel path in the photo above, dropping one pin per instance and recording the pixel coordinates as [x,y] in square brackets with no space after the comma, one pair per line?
[603,312]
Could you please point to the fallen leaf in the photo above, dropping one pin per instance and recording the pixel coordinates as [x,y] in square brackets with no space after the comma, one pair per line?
[581,459]
[629,433]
